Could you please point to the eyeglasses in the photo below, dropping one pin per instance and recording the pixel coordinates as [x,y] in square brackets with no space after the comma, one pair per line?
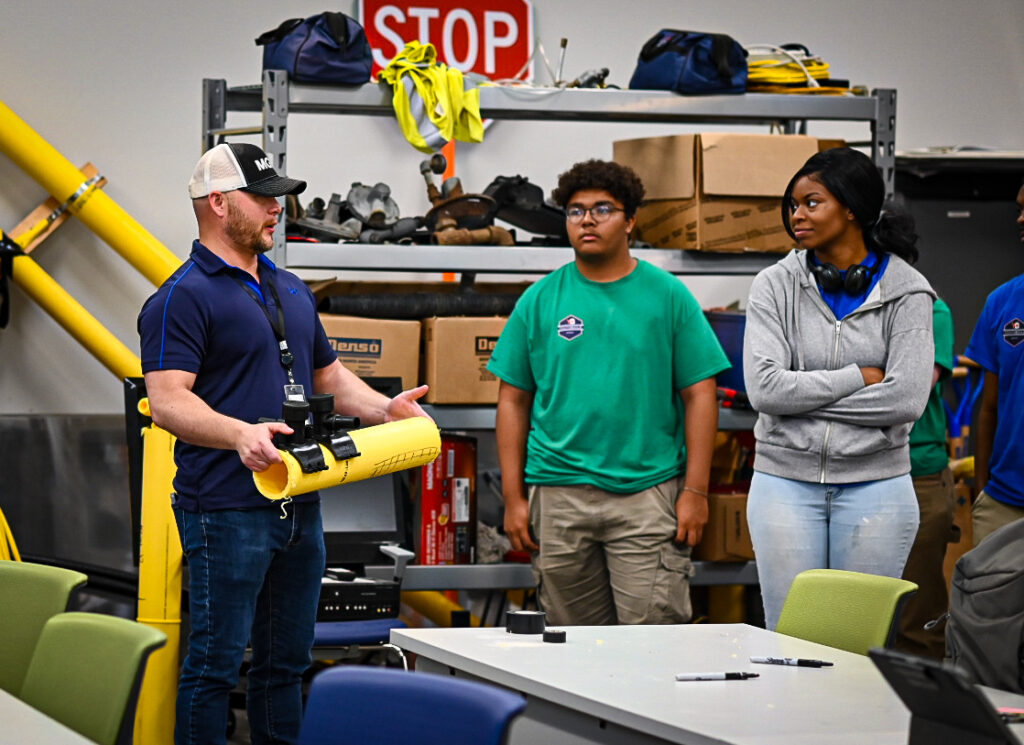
[599,212]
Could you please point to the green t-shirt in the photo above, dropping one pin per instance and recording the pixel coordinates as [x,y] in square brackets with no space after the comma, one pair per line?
[928,453]
[606,362]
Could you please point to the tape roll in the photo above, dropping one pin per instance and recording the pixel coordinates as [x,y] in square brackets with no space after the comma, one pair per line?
[555,636]
[524,622]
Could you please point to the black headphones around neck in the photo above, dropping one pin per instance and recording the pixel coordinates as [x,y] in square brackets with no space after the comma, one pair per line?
[830,278]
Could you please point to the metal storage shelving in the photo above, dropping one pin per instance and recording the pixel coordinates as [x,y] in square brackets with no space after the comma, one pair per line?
[277,98]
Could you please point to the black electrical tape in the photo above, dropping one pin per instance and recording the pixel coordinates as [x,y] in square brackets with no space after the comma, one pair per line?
[555,636]
[524,622]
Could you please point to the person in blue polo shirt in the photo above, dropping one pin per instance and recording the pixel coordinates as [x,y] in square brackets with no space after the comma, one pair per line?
[224,341]
[999,441]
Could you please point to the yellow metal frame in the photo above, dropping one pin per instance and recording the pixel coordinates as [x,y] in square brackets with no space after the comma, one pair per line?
[77,194]
[160,579]
[160,554]
[68,185]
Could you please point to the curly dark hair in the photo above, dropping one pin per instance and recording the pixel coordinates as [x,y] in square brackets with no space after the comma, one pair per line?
[618,180]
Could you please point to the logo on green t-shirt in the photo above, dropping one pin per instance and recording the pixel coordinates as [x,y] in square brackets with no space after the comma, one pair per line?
[570,327]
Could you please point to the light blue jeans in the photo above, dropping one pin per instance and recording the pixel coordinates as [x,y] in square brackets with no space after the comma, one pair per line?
[798,525]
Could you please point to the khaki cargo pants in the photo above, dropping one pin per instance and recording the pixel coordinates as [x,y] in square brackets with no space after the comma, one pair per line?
[609,558]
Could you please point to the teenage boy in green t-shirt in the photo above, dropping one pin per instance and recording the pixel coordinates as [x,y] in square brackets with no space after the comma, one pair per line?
[933,483]
[607,399]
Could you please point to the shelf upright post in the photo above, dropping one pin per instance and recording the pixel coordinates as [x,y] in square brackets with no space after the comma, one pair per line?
[215,110]
[275,144]
[883,137]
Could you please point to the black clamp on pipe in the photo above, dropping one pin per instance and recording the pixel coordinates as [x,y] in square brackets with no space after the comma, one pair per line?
[330,429]
[303,448]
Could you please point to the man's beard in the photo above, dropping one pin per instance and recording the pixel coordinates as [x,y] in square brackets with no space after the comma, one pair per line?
[245,232]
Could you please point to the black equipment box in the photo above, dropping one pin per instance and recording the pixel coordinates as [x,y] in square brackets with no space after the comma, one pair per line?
[358,599]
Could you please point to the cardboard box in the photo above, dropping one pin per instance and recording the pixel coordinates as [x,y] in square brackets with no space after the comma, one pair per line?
[726,535]
[455,355]
[376,348]
[963,526]
[715,191]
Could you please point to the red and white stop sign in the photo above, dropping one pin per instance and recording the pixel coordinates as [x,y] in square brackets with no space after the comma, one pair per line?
[490,37]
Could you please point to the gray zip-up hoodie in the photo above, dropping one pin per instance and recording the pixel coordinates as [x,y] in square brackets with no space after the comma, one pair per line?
[817,420]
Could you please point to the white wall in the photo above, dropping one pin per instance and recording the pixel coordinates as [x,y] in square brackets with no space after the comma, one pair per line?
[118,83]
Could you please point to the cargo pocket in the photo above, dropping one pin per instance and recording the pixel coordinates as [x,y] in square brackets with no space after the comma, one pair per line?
[670,596]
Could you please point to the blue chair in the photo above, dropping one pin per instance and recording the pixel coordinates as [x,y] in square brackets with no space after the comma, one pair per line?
[359,705]
[355,640]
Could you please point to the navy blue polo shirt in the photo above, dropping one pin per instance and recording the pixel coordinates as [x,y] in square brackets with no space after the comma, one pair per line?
[202,321]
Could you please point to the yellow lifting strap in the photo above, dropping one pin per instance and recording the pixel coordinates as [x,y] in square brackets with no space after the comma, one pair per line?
[433,103]
[8,548]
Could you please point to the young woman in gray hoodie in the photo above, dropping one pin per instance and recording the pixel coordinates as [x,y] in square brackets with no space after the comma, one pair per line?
[838,358]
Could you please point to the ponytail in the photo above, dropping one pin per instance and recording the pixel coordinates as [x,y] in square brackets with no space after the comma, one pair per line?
[894,232]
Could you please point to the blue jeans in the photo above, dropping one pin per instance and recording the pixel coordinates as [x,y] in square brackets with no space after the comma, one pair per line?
[798,525]
[254,577]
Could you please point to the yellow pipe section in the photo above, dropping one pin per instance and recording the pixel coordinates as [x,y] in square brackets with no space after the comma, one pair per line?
[383,449]
[78,322]
[160,560]
[435,607]
[62,179]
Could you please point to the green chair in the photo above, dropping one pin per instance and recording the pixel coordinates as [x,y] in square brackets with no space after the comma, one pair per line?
[846,610]
[86,672]
[29,595]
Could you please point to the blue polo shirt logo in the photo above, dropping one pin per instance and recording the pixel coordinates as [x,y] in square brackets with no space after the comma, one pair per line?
[570,327]
[1013,332]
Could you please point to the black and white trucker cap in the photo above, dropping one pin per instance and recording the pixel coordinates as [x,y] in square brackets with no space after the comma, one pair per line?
[227,167]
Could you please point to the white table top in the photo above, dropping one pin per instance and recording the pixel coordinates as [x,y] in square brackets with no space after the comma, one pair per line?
[20,724]
[626,675]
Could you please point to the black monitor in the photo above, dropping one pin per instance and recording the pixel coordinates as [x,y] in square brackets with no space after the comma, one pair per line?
[945,708]
[361,515]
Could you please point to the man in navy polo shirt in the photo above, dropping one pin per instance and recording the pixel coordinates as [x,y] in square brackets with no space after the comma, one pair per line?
[224,341]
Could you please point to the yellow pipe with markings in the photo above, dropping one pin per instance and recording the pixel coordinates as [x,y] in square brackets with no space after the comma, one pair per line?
[383,449]
[67,184]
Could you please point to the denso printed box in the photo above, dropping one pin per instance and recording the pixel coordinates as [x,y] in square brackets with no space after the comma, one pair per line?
[376,348]
[456,351]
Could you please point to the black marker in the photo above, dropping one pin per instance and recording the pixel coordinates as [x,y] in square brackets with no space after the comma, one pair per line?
[716,676]
[790,661]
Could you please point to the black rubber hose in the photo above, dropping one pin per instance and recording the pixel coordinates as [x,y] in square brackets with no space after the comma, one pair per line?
[415,305]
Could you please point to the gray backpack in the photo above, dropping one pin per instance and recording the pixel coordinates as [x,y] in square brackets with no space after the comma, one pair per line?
[985,632]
